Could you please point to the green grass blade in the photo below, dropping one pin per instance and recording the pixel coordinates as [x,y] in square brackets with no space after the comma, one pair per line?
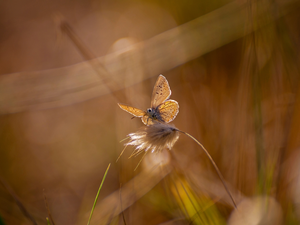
[48,221]
[98,194]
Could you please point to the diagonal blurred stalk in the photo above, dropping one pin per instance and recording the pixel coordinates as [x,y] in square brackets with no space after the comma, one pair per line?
[18,201]
[87,54]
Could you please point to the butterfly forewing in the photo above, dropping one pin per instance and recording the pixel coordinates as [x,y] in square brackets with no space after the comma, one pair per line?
[134,111]
[168,110]
[161,91]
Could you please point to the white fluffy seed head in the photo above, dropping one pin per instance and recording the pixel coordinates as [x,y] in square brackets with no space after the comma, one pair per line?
[155,137]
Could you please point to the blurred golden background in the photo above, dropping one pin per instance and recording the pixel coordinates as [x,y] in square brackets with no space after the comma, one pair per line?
[233,67]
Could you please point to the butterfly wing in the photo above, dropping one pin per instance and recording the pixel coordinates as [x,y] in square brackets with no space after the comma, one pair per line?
[167,111]
[134,111]
[161,91]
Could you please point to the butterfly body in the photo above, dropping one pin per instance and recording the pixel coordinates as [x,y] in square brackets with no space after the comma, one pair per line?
[154,115]
[151,113]
[162,110]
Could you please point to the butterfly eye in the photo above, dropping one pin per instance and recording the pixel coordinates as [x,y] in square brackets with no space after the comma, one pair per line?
[149,110]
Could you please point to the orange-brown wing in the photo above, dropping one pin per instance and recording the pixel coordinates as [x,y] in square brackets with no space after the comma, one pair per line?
[161,91]
[168,110]
[134,111]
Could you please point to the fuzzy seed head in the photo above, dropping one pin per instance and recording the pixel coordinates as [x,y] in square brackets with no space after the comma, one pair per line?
[155,137]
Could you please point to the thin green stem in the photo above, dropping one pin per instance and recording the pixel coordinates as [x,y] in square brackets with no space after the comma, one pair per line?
[214,164]
[48,221]
[98,194]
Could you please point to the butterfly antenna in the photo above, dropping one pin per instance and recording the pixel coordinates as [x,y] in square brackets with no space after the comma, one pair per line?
[141,160]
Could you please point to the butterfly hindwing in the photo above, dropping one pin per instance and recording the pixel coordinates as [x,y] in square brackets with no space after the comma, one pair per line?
[147,120]
[134,111]
[161,91]
[168,110]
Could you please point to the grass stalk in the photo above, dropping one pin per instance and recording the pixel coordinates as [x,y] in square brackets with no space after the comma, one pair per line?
[98,195]
[214,164]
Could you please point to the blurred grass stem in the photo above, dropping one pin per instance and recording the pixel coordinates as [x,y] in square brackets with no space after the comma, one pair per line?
[17,200]
[256,91]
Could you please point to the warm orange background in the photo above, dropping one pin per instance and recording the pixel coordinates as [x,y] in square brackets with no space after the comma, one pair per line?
[241,101]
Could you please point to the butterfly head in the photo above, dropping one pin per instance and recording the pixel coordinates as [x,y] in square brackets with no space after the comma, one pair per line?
[151,113]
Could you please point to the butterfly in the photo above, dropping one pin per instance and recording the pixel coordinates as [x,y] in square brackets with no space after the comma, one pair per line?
[163,109]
